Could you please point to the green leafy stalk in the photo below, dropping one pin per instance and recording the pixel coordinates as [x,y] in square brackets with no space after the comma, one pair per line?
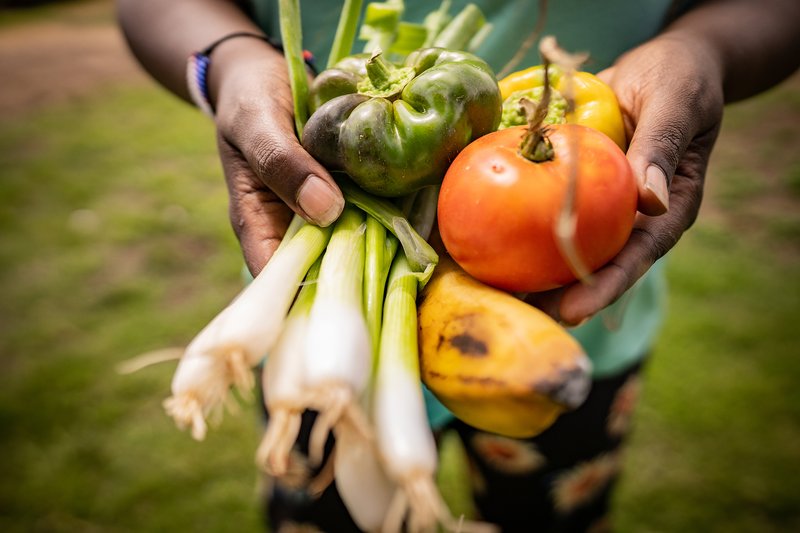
[345,31]
[421,255]
[400,315]
[458,34]
[305,298]
[380,247]
[380,25]
[409,37]
[294,226]
[292,37]
[479,37]
[341,263]
[423,215]
[435,22]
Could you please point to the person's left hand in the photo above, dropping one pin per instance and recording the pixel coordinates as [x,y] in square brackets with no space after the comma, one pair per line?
[670,92]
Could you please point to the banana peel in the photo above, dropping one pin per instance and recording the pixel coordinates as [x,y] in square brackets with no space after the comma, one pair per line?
[497,363]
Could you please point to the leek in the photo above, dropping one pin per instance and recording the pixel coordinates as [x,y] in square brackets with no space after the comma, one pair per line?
[403,435]
[284,382]
[337,351]
[380,250]
[420,254]
[236,340]
[402,432]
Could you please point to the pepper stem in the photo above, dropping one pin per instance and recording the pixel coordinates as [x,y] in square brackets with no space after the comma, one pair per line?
[383,79]
[379,71]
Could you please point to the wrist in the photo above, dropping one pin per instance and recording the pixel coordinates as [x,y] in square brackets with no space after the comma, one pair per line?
[242,63]
[236,54]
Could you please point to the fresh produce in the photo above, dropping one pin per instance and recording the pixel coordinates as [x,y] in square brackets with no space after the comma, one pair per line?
[560,199]
[384,29]
[237,339]
[284,382]
[361,480]
[496,362]
[396,129]
[403,435]
[498,206]
[335,312]
[292,36]
[595,104]
[336,352]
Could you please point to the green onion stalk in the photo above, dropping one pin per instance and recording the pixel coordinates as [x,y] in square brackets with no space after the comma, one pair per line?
[284,382]
[345,31]
[236,340]
[337,354]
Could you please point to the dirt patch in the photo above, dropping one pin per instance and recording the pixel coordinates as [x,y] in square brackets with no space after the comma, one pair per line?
[63,58]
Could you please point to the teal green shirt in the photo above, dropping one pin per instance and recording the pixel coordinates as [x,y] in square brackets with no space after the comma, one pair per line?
[622,334]
[604,28]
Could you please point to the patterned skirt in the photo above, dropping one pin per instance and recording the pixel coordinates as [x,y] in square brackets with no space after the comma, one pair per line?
[558,481]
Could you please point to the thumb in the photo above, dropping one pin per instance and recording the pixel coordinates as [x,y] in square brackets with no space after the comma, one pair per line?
[280,162]
[664,128]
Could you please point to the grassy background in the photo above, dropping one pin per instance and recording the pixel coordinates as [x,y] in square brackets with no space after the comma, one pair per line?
[114,240]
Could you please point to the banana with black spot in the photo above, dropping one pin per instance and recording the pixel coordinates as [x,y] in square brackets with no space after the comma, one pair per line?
[496,362]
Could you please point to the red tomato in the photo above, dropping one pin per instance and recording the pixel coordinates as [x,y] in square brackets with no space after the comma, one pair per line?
[497,210]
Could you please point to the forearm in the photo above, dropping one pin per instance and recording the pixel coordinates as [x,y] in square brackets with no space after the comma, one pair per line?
[162,35]
[756,44]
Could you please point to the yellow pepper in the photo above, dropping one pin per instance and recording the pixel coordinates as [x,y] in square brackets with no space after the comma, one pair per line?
[596,104]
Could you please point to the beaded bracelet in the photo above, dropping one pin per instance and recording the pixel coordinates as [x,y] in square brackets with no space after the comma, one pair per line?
[199,62]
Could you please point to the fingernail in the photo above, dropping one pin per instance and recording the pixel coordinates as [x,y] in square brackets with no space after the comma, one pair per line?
[319,201]
[656,182]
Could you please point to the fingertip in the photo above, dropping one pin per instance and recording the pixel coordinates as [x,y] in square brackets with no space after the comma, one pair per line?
[320,201]
[651,182]
[653,191]
[572,318]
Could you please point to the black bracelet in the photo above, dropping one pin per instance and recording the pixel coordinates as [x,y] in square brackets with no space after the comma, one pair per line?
[199,62]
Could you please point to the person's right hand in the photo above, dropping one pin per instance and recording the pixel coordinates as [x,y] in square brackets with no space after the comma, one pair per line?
[267,171]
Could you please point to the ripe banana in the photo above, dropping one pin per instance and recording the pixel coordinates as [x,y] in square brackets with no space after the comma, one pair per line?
[496,362]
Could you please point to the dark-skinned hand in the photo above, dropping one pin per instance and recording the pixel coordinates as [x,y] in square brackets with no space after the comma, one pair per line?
[268,173]
[671,96]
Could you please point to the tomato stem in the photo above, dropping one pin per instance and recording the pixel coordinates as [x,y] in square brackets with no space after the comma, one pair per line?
[535,145]
[567,221]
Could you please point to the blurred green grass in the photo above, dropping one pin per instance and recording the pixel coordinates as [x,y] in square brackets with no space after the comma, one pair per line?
[115,241]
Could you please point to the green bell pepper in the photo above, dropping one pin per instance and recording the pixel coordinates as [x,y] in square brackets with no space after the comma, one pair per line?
[396,129]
